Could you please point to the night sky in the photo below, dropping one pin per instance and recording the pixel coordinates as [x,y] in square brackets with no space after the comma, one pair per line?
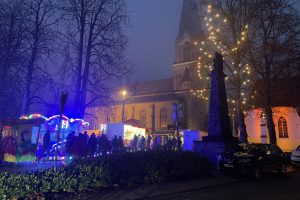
[152,33]
[153,29]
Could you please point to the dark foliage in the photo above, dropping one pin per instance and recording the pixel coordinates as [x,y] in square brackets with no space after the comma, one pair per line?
[128,169]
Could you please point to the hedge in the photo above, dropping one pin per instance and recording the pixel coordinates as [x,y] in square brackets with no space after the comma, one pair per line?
[106,171]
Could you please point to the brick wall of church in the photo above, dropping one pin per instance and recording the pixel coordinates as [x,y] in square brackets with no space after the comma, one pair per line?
[113,114]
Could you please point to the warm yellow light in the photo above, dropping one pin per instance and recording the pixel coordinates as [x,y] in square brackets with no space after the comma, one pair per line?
[124,93]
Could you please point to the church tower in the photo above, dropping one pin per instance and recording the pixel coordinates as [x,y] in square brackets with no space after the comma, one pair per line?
[190,30]
[185,75]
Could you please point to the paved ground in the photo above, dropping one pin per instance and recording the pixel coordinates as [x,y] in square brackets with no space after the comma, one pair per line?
[270,187]
[222,187]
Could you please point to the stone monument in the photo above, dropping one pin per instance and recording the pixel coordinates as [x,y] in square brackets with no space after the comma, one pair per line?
[219,129]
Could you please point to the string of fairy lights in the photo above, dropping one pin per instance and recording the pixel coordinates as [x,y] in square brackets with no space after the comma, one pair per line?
[238,74]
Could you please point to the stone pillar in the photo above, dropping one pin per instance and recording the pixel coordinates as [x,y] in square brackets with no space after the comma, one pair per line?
[218,118]
[219,129]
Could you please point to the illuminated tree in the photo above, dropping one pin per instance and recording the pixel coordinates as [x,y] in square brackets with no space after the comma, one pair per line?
[227,25]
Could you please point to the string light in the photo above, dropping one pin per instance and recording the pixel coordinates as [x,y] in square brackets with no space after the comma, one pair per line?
[214,24]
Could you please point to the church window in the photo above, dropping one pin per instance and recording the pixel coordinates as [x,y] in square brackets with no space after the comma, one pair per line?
[186,85]
[282,128]
[186,51]
[132,116]
[163,118]
[113,116]
[125,115]
[143,118]
[263,126]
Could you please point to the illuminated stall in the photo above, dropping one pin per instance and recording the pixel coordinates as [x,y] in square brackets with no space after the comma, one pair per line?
[21,138]
[127,132]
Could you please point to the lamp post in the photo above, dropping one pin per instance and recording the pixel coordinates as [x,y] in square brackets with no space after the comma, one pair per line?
[63,99]
[124,95]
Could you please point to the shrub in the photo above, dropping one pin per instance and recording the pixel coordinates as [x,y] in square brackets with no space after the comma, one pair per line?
[95,173]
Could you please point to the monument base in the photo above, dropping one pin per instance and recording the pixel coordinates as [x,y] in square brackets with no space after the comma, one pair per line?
[211,147]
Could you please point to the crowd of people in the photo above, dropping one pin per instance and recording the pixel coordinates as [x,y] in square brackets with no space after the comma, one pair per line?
[83,145]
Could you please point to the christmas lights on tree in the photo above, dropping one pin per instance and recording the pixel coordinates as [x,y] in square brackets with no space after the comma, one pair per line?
[232,45]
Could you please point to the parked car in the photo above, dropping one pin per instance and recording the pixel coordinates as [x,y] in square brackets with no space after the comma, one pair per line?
[295,157]
[253,159]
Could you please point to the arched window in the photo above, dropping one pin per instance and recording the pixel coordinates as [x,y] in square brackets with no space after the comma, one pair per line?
[132,115]
[282,128]
[143,117]
[186,51]
[263,128]
[163,118]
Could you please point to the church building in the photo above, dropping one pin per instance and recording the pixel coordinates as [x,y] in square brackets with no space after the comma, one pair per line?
[163,105]
[286,114]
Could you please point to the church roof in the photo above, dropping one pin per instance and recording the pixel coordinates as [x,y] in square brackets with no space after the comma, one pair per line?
[285,92]
[152,91]
[190,20]
[152,87]
[152,98]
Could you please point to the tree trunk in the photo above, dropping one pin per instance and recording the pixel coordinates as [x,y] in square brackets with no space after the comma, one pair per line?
[270,125]
[78,73]
[28,81]
[242,126]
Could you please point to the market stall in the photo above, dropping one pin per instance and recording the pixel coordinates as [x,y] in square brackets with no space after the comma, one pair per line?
[22,138]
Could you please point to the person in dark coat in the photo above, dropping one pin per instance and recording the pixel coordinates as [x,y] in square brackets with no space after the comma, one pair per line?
[142,143]
[69,142]
[134,143]
[92,144]
[121,144]
[104,145]
[46,145]
[115,145]
[74,150]
[179,144]
[148,145]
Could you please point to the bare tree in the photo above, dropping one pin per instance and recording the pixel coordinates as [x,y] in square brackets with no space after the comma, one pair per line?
[11,56]
[95,46]
[40,17]
[275,44]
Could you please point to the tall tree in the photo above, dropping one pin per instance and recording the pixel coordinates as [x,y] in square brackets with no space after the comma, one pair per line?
[275,44]
[40,18]
[95,46]
[227,23]
[12,34]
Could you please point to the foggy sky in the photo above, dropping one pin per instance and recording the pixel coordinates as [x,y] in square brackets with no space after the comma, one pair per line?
[151,35]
